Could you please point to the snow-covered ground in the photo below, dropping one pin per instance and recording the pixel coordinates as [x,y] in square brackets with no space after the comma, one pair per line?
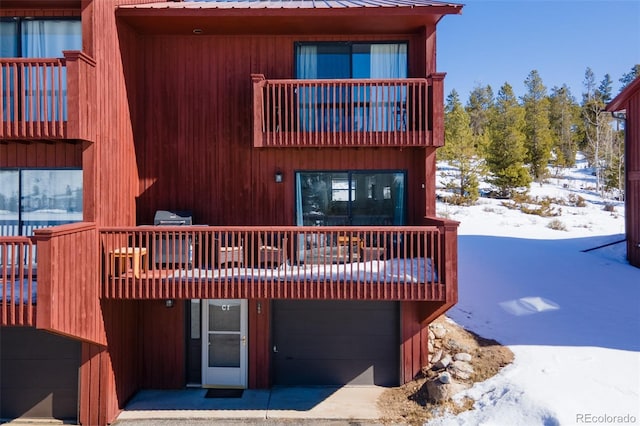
[572,318]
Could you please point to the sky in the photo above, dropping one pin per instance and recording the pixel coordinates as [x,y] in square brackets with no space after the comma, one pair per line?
[571,318]
[498,41]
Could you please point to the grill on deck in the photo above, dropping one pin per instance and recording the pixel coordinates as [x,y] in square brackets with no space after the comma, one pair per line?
[170,249]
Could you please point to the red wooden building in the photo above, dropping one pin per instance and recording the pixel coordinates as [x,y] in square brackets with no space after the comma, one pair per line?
[628,104]
[216,193]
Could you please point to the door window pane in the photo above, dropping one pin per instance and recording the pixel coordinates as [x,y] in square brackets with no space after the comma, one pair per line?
[224,350]
[224,315]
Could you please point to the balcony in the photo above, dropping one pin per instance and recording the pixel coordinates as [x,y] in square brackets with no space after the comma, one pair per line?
[348,113]
[17,281]
[351,263]
[48,98]
[78,264]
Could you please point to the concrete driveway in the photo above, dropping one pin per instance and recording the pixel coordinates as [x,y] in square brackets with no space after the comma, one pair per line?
[347,405]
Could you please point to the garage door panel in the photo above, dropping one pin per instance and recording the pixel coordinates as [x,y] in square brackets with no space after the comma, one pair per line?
[39,374]
[336,342]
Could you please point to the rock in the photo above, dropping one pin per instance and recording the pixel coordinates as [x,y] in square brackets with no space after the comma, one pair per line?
[439,392]
[462,356]
[431,335]
[430,346]
[437,355]
[461,370]
[443,363]
[445,378]
[438,330]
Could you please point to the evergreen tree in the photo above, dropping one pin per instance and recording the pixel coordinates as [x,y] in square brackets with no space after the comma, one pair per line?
[627,78]
[563,118]
[596,123]
[459,148]
[479,108]
[605,89]
[506,151]
[538,135]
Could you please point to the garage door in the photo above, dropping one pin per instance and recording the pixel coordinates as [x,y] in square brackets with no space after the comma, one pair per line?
[39,374]
[335,343]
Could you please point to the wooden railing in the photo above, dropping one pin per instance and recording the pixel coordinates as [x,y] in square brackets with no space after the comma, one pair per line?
[17,281]
[343,113]
[360,263]
[48,98]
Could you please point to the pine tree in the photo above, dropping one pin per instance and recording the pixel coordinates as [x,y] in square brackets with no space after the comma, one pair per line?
[538,135]
[597,123]
[627,78]
[479,108]
[506,152]
[563,120]
[459,148]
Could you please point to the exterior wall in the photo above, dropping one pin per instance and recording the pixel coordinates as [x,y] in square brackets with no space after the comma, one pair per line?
[632,211]
[201,158]
[629,100]
[174,132]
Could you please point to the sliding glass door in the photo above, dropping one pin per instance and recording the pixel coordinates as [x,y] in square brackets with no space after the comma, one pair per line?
[340,107]
[358,198]
[37,38]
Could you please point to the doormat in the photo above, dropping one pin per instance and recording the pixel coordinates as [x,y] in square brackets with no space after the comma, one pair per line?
[224,393]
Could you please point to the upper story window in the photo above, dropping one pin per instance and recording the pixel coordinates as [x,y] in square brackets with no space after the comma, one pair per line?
[37,198]
[39,38]
[351,60]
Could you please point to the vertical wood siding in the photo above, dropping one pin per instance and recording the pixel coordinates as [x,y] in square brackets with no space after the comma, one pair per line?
[162,337]
[68,282]
[194,133]
[632,213]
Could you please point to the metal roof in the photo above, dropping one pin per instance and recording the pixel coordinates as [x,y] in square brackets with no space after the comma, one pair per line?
[290,4]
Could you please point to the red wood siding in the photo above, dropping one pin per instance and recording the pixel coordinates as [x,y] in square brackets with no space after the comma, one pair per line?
[259,343]
[109,378]
[162,339]
[629,100]
[68,282]
[201,157]
[632,213]
[40,154]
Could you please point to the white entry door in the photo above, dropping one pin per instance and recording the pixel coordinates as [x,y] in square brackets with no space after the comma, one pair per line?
[224,343]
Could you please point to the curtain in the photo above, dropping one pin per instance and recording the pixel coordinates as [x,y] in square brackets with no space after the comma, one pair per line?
[47,39]
[398,183]
[388,60]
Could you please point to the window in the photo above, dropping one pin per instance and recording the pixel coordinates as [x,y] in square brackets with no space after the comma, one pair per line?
[36,38]
[358,198]
[38,198]
[351,60]
[363,107]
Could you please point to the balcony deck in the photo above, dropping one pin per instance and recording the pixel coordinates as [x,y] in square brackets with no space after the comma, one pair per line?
[350,263]
[79,264]
[48,98]
[348,113]
[17,281]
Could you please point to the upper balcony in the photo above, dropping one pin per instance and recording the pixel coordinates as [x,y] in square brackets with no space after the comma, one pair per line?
[48,98]
[334,113]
